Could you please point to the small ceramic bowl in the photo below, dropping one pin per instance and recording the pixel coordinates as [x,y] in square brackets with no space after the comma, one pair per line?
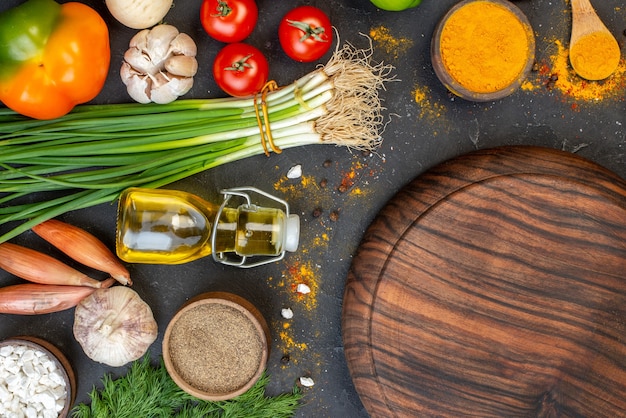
[501,74]
[55,355]
[216,346]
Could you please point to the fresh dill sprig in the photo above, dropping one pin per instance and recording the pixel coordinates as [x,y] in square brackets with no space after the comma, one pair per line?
[147,391]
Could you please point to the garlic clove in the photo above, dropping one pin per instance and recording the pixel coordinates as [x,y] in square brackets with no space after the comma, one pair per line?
[180,85]
[163,94]
[114,326]
[170,91]
[182,65]
[138,88]
[140,40]
[183,45]
[158,42]
[140,62]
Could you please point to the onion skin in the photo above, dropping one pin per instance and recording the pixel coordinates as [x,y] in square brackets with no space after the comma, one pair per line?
[139,14]
[36,299]
[40,268]
[83,247]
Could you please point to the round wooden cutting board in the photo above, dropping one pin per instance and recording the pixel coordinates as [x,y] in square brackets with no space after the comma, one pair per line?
[494,285]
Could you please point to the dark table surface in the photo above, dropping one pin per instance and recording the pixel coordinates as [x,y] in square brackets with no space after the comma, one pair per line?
[426,127]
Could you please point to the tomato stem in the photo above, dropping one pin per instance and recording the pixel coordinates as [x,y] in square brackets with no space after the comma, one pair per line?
[240,65]
[309,31]
[222,9]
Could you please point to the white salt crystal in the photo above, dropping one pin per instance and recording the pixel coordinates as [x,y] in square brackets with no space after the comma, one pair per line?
[302,288]
[287,313]
[295,172]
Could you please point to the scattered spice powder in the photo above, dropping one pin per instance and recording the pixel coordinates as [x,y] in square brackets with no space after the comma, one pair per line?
[303,272]
[296,188]
[430,111]
[288,341]
[570,84]
[215,348]
[392,45]
[325,198]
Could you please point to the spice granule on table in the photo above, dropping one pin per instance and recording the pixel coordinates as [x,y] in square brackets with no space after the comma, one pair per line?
[215,348]
[430,110]
[392,45]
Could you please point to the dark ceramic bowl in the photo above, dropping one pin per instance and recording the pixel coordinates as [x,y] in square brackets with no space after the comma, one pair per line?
[54,354]
[446,76]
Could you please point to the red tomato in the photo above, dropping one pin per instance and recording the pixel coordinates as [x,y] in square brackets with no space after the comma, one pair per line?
[240,69]
[305,33]
[229,20]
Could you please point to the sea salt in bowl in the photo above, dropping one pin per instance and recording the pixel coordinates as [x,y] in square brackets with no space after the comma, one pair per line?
[36,379]
[216,346]
[483,50]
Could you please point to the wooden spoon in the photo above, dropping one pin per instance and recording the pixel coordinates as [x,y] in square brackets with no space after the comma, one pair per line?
[594,52]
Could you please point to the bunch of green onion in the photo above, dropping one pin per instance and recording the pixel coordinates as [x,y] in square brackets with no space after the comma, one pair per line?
[91,155]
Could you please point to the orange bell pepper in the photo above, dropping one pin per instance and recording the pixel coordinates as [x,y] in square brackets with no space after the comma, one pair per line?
[52,57]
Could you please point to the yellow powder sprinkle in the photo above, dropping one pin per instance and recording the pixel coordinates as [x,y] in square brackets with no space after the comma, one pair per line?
[429,110]
[528,86]
[321,240]
[392,45]
[296,189]
[289,342]
[303,272]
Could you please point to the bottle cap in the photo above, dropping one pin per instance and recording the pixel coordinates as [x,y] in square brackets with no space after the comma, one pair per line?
[292,233]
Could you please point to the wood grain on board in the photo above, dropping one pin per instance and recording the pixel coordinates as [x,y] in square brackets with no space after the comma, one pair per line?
[493,285]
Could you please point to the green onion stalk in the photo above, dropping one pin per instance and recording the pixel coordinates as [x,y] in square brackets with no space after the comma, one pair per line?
[89,156]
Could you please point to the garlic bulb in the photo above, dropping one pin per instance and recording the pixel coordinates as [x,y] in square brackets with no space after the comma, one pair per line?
[114,326]
[159,65]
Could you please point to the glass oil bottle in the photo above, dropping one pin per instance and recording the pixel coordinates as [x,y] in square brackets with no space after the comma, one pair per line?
[159,226]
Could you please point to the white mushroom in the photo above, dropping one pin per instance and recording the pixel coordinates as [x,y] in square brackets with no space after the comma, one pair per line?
[159,65]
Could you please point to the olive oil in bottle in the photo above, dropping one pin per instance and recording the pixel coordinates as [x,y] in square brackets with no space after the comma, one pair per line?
[160,226]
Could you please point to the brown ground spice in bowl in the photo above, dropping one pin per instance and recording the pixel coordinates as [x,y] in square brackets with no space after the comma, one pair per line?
[214,350]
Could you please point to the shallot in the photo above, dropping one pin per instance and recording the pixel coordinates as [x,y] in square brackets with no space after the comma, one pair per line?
[38,267]
[35,299]
[83,247]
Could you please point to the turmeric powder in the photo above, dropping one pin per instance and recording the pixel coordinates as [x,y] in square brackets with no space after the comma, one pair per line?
[485,47]
[595,56]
